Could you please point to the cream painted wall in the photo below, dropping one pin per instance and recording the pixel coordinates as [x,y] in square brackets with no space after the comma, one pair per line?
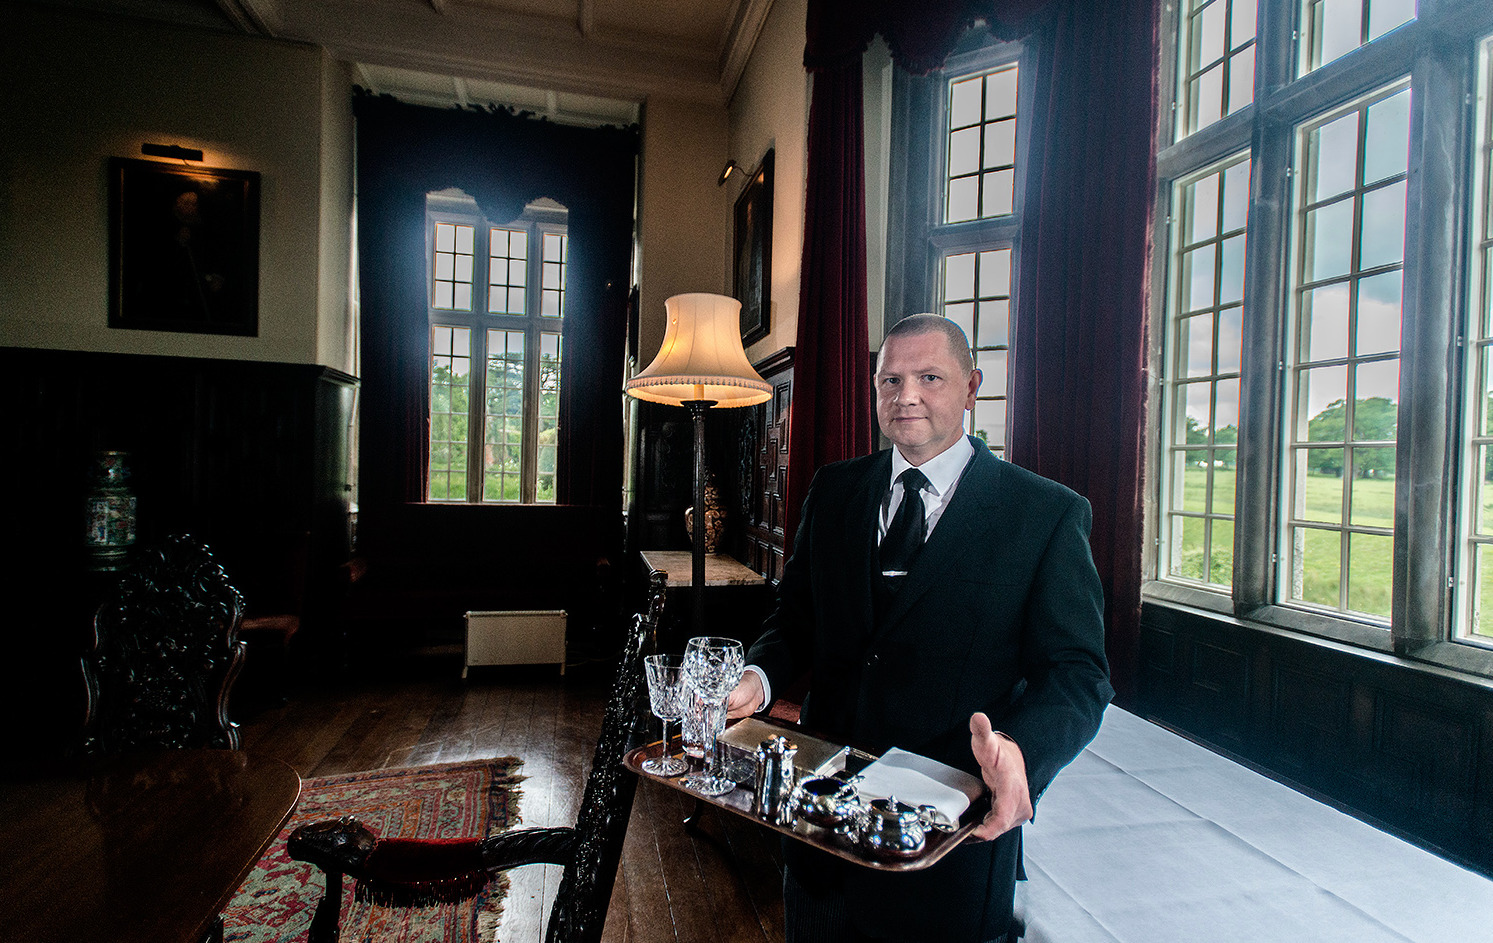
[82,89]
[771,110]
[683,217]
[334,335]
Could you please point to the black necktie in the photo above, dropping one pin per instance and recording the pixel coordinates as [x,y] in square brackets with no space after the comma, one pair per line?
[904,536]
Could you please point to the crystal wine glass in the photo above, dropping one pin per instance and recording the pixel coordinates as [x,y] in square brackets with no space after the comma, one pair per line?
[667,695]
[713,667]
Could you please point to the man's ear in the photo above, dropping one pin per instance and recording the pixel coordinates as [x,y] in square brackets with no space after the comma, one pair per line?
[975,376]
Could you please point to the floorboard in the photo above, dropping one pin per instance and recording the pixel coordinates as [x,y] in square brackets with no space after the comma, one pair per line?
[671,886]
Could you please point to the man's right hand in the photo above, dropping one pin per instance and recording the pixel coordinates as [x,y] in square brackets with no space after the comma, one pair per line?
[746,698]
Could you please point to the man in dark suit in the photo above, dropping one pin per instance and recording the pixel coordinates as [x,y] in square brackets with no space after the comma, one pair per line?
[926,608]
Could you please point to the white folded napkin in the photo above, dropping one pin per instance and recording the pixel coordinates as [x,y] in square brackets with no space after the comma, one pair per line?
[917,780]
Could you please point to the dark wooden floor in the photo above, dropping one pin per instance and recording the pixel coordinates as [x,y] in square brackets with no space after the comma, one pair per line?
[670,887]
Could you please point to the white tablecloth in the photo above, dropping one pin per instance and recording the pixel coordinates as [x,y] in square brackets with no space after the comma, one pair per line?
[1150,838]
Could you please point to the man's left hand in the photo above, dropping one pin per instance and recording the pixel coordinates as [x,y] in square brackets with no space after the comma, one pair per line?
[1003,767]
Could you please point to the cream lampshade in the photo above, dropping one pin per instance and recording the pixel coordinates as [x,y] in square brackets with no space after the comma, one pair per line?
[701,357]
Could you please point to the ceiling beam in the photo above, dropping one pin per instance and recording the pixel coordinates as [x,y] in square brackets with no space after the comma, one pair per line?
[523,49]
[257,17]
[751,16]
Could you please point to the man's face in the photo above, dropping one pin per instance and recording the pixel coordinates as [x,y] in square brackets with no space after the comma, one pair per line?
[921,394]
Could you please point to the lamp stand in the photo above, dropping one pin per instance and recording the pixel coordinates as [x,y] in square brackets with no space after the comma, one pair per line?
[697,409]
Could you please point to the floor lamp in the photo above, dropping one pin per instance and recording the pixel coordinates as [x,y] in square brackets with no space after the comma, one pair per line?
[701,364]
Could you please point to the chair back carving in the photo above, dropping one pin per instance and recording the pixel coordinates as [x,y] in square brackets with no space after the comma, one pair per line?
[585,890]
[164,654]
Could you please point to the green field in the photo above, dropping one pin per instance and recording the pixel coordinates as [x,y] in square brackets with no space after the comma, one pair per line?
[1370,557]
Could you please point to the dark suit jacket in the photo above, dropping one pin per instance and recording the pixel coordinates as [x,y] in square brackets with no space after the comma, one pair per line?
[1002,612]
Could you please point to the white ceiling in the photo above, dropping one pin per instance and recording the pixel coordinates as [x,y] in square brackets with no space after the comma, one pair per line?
[590,61]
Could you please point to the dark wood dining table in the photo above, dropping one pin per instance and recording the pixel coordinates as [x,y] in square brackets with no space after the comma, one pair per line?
[149,847]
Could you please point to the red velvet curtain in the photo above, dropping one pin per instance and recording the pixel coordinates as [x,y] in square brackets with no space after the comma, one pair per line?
[831,412]
[1079,338]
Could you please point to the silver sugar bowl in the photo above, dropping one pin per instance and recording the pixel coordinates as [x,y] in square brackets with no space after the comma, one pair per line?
[826,801]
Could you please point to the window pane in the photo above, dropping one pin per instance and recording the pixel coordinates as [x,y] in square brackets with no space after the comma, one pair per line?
[1385,15]
[963,199]
[1481,625]
[1383,226]
[981,146]
[1387,151]
[992,363]
[502,462]
[450,384]
[1316,576]
[1335,28]
[1378,328]
[1200,203]
[1324,323]
[1191,548]
[1198,274]
[997,193]
[1222,500]
[964,152]
[552,293]
[1333,157]
[959,276]
[1328,253]
[989,422]
[1370,573]
[451,267]
[1000,144]
[507,271]
[1230,341]
[964,102]
[1324,393]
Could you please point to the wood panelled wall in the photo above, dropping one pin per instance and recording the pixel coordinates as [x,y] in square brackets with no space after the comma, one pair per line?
[250,457]
[1409,747]
[747,460]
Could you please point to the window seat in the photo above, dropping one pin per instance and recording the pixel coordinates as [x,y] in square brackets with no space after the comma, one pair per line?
[1148,836]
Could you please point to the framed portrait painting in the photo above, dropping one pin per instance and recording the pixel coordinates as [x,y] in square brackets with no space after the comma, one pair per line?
[753,253]
[183,248]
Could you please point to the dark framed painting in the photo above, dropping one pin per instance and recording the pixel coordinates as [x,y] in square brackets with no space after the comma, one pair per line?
[183,248]
[753,253]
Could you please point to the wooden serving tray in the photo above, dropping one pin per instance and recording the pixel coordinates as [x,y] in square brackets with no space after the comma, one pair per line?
[739,802]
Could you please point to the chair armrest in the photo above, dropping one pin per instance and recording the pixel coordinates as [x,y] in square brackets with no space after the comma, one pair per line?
[528,846]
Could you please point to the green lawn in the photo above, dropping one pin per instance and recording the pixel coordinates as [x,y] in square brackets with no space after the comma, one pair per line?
[1370,557]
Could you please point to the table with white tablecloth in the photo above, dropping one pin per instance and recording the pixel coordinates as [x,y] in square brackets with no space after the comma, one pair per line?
[1150,837]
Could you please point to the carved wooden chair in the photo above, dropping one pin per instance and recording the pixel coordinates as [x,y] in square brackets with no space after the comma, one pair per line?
[164,654]
[413,872]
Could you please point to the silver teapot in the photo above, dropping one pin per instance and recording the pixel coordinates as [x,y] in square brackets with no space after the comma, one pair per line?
[891,829]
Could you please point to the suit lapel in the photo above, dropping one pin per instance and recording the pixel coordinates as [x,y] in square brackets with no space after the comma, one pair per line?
[864,517]
[971,510]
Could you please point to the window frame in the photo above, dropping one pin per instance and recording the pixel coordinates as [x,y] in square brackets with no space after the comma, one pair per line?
[916,231]
[1437,51]
[536,222]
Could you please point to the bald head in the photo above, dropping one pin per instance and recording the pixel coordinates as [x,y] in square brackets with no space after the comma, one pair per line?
[915,324]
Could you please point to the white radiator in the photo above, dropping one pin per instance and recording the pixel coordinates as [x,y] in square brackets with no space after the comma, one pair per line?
[529,637]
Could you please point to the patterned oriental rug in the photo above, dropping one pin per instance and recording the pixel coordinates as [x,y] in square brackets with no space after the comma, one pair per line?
[450,800]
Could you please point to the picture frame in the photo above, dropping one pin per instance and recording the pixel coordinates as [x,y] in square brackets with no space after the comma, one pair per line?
[753,253]
[183,248]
